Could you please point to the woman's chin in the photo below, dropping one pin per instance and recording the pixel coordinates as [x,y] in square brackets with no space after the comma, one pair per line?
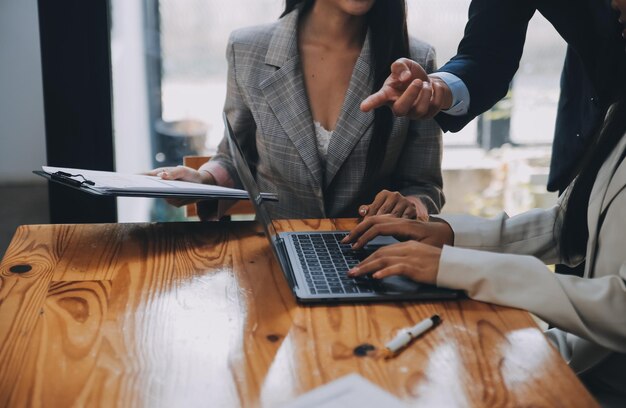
[357,7]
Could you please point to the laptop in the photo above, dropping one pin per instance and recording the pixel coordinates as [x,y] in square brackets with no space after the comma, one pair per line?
[315,263]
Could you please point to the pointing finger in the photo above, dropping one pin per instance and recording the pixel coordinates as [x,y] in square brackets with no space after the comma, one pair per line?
[376,100]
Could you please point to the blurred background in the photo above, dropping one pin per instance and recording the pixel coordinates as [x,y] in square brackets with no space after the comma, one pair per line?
[168,73]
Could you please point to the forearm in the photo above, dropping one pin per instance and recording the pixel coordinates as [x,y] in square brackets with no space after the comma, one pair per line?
[594,309]
[532,233]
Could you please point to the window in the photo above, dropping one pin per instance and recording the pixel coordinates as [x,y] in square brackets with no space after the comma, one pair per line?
[194,34]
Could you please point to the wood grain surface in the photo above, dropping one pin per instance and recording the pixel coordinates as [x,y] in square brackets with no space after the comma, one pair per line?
[199,314]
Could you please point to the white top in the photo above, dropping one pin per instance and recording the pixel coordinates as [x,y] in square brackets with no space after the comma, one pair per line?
[323,140]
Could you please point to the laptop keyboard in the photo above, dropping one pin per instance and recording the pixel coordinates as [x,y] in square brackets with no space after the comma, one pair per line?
[325,262]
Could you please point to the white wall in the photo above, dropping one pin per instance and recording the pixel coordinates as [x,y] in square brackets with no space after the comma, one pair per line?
[130,102]
[22,130]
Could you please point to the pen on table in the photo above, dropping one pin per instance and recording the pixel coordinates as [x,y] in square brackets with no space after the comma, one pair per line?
[404,336]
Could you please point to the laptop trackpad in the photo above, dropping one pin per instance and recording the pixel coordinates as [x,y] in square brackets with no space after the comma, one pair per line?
[397,284]
[380,241]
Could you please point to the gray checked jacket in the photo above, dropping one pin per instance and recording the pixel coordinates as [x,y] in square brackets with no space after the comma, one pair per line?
[267,106]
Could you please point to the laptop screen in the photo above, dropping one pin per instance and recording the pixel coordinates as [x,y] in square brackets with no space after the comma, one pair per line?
[247,179]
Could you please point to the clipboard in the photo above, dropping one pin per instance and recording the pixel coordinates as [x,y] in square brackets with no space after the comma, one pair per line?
[113,184]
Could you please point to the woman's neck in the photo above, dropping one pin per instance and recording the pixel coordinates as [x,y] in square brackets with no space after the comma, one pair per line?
[333,28]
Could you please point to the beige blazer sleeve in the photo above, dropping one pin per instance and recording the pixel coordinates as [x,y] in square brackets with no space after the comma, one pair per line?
[594,309]
[532,233]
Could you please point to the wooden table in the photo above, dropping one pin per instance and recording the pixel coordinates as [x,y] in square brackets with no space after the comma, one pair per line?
[199,314]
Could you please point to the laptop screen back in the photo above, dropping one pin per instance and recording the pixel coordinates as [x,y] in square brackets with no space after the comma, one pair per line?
[247,179]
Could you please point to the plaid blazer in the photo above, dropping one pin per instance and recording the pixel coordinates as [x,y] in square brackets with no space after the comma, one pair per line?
[267,106]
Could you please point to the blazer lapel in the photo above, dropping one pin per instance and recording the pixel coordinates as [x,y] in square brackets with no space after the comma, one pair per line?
[352,123]
[609,182]
[618,180]
[286,95]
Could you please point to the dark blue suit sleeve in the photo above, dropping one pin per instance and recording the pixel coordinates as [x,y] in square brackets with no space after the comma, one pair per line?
[489,54]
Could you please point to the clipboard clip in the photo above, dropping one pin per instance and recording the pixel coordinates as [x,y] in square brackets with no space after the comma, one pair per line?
[67,178]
